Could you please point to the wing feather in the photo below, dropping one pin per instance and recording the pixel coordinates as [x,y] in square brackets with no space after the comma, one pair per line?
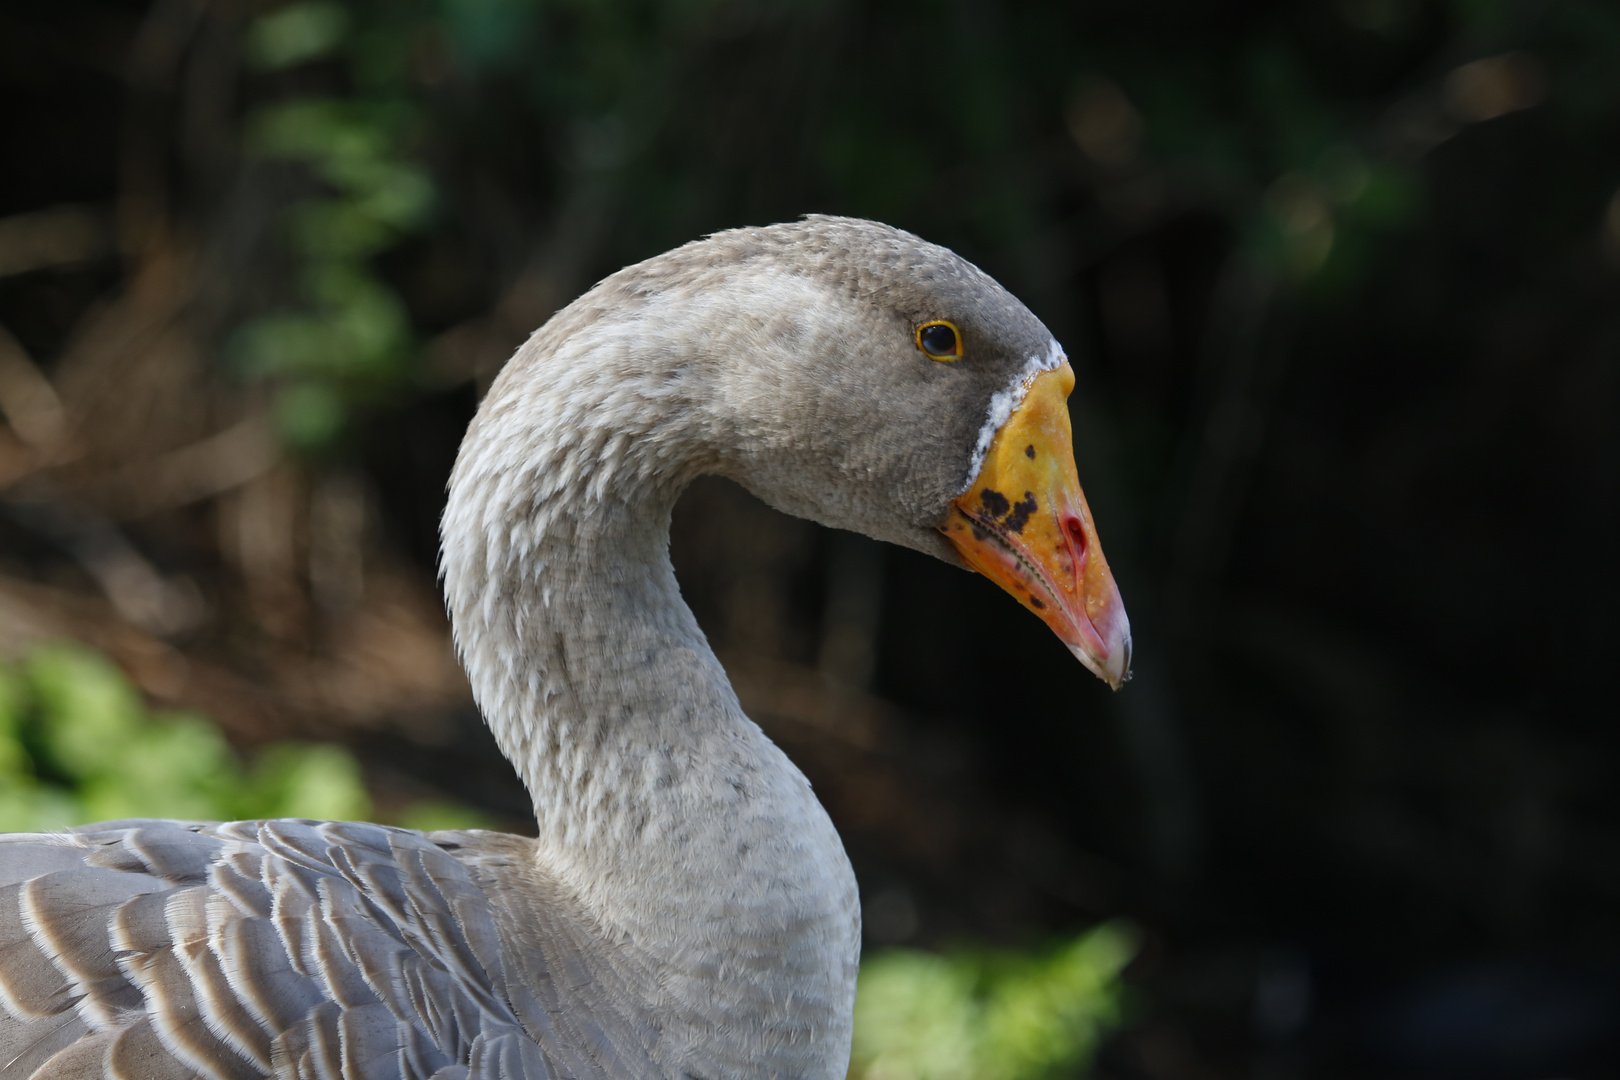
[371,1043]
[172,851]
[84,1059]
[24,857]
[138,1054]
[141,925]
[24,1047]
[172,1009]
[221,1010]
[356,958]
[259,971]
[30,985]
[239,877]
[312,1050]
[146,950]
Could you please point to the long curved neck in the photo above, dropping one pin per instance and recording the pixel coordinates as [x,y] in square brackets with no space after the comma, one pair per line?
[660,806]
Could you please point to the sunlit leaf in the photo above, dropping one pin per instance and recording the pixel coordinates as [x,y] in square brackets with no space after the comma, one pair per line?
[110,758]
[90,711]
[309,780]
[988,1015]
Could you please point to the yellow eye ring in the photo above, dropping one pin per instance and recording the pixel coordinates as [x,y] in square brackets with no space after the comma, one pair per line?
[940,340]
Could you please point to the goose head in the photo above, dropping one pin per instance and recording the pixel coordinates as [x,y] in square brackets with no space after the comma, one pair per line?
[843,371]
[878,383]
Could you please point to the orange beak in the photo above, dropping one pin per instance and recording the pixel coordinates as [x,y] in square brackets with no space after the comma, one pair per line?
[1024,524]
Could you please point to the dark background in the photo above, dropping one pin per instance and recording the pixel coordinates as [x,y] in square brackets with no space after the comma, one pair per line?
[1341,283]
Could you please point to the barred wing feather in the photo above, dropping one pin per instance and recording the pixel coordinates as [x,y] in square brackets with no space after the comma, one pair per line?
[151,950]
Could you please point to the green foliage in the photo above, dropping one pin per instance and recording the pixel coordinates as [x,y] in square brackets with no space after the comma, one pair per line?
[988,1015]
[1284,123]
[297,34]
[350,335]
[77,745]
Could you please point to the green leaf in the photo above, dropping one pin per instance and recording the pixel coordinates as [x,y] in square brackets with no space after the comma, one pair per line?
[307,780]
[121,761]
[90,711]
[309,415]
[27,806]
[916,1018]
[321,130]
[988,1015]
[15,762]
[296,34]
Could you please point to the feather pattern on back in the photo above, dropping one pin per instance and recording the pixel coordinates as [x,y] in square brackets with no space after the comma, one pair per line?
[144,950]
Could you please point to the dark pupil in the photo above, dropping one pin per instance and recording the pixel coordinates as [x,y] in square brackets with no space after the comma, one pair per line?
[939,340]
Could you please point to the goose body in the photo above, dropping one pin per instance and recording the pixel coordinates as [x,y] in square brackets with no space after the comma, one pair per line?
[686,910]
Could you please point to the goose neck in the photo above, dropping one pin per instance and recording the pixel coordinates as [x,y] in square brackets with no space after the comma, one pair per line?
[661,808]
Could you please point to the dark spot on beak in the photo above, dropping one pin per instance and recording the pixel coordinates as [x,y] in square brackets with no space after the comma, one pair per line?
[973,525]
[1020,513]
[994,502]
[1029,451]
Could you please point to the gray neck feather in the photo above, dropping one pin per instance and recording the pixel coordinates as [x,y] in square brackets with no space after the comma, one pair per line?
[666,813]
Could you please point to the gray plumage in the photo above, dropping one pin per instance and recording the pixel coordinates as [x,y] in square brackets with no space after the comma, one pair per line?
[155,949]
[686,910]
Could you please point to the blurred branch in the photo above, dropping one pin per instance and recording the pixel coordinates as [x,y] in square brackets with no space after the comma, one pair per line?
[553,273]
[138,591]
[32,614]
[49,239]
[154,65]
[28,400]
[197,471]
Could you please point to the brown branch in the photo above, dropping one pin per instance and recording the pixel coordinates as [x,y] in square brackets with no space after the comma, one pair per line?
[46,239]
[195,472]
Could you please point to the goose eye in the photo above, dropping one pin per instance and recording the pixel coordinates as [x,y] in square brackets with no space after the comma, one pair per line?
[939,340]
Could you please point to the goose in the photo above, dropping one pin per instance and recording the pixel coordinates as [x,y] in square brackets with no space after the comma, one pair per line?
[686,910]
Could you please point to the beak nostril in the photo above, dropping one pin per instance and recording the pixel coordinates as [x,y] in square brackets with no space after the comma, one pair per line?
[1077,535]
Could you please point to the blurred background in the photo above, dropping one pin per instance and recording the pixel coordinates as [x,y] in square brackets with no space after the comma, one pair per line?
[1341,283]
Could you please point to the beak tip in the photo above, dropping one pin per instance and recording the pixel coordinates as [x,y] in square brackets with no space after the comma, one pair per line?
[1120,664]
[1113,666]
